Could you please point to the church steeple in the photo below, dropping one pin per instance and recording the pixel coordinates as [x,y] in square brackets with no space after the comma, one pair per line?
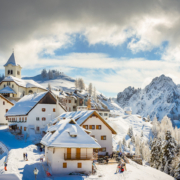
[11,60]
[12,68]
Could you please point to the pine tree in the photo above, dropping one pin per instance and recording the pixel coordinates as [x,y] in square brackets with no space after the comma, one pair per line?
[44,73]
[130,132]
[49,86]
[148,118]
[133,139]
[155,158]
[50,74]
[90,89]
[76,84]
[169,150]
[177,170]
[124,144]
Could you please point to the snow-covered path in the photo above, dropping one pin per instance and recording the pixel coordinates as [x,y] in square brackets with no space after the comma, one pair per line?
[23,169]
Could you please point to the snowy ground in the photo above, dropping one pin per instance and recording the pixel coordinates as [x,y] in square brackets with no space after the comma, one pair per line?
[24,169]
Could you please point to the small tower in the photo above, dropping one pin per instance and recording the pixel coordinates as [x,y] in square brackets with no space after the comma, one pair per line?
[12,68]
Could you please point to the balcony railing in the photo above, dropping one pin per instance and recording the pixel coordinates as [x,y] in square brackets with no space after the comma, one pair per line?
[76,156]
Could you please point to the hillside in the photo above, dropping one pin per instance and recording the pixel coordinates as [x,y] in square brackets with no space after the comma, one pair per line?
[62,81]
[161,97]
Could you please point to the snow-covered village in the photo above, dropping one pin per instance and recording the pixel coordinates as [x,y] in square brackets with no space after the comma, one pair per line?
[89,90]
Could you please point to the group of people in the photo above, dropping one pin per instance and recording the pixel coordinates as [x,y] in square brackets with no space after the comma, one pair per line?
[121,167]
[25,156]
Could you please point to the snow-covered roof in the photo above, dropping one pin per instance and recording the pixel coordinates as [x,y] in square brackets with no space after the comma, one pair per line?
[23,83]
[7,89]
[80,117]
[11,60]
[127,109]
[25,104]
[59,135]
[7,100]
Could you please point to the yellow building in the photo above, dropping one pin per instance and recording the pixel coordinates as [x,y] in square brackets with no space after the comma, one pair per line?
[12,86]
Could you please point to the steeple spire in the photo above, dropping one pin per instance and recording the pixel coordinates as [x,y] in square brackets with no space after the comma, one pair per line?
[11,60]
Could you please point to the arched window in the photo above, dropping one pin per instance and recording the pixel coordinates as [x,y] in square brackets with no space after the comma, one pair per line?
[11,71]
[18,72]
[30,91]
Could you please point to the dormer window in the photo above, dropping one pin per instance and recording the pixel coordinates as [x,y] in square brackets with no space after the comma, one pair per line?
[73,135]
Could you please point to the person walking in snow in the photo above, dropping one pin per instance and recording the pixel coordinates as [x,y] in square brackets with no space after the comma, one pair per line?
[118,168]
[26,156]
[5,166]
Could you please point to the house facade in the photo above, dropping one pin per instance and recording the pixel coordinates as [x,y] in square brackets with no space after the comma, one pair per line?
[92,121]
[34,112]
[68,148]
[5,106]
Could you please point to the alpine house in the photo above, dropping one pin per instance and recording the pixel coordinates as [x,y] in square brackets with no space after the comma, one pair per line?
[34,111]
[68,148]
[92,121]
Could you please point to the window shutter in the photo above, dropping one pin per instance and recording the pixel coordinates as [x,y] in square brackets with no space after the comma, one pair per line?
[97,127]
[79,165]
[101,137]
[64,165]
[84,126]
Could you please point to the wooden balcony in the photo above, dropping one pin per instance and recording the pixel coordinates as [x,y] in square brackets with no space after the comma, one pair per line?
[76,156]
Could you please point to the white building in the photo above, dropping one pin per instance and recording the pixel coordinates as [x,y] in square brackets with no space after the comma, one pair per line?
[128,110]
[34,111]
[68,148]
[12,86]
[104,113]
[5,105]
[93,122]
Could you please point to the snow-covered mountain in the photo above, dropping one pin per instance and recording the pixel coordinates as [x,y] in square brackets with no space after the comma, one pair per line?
[161,97]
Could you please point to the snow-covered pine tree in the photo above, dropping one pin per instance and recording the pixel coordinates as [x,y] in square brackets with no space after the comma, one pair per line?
[130,132]
[76,84]
[90,89]
[148,118]
[133,139]
[44,73]
[155,126]
[49,86]
[94,94]
[169,151]
[177,169]
[124,144]
[120,146]
[155,155]
[50,74]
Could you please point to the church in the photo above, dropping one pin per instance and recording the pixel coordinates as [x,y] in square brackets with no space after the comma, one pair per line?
[12,86]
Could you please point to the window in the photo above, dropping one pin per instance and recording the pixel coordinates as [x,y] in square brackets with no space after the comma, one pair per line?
[8,83]
[43,109]
[11,71]
[54,109]
[79,165]
[85,126]
[43,119]
[21,127]
[105,114]
[64,165]
[13,86]
[103,149]
[30,91]
[69,109]
[3,102]
[24,128]
[37,128]
[98,126]
[103,137]
[4,85]
[25,118]
[100,114]
[19,119]
[18,72]
[37,118]
[69,101]
[66,100]
[93,136]
[93,126]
